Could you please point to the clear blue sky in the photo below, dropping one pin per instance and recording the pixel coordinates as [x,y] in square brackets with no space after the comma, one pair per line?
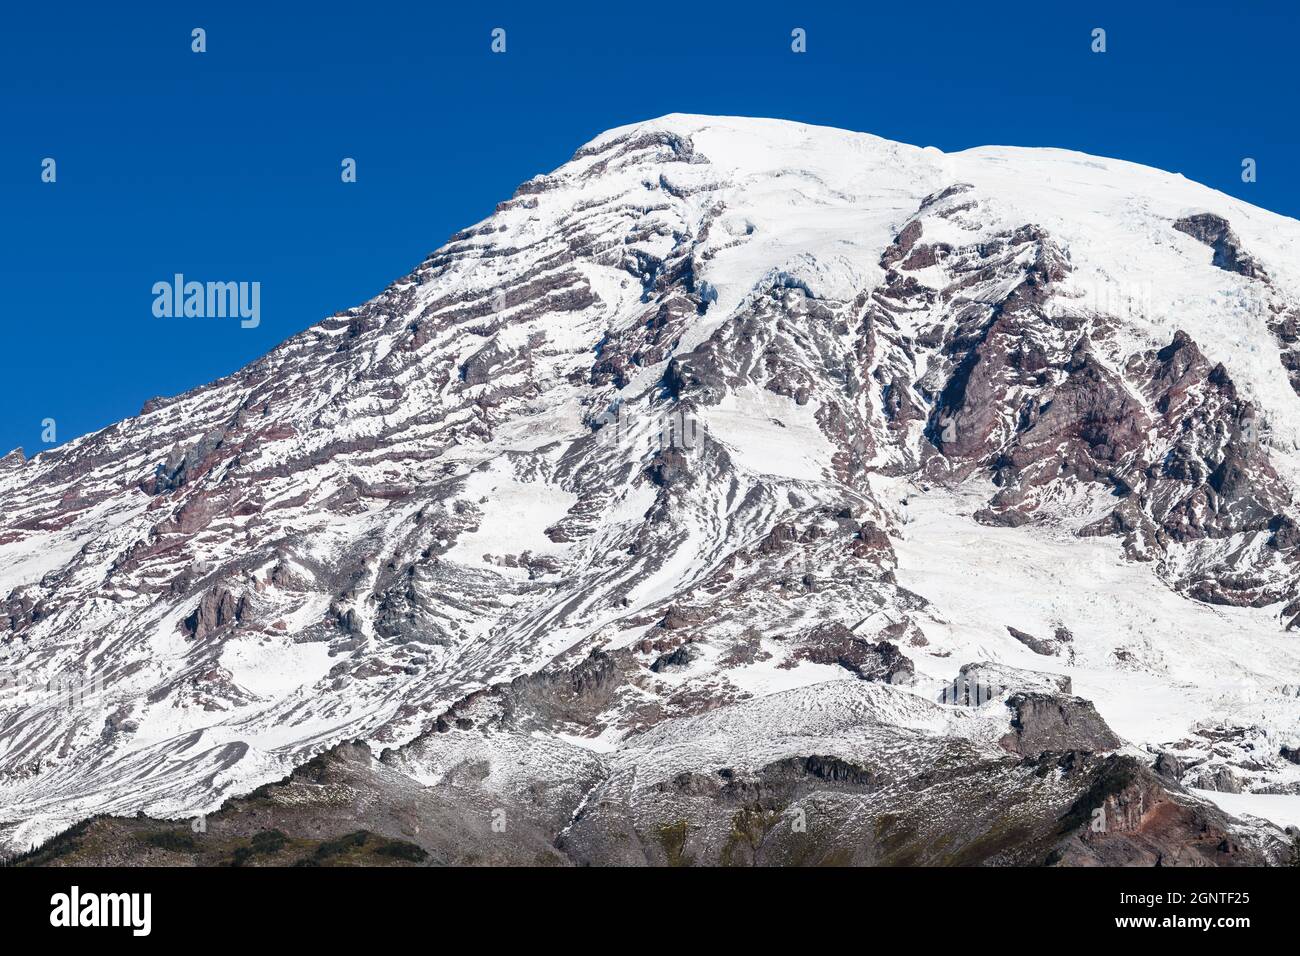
[225,165]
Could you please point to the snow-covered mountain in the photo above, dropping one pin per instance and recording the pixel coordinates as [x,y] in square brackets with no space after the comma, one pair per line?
[684,493]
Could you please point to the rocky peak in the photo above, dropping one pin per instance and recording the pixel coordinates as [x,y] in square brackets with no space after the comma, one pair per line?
[717,420]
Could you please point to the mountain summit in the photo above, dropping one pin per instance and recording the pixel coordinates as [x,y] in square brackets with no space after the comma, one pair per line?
[741,491]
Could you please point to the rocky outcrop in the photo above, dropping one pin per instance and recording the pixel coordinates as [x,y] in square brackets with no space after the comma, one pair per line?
[678,659]
[1215,232]
[836,644]
[1048,647]
[1221,779]
[556,697]
[217,608]
[1042,723]
[186,464]
[1129,817]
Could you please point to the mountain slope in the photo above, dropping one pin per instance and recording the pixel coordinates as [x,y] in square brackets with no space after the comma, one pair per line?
[719,411]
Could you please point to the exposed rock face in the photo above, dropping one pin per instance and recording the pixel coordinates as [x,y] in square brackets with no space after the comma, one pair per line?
[1221,779]
[1169,766]
[217,608]
[664,439]
[673,659]
[1227,758]
[1043,723]
[1216,233]
[837,645]
[1045,646]
[1134,820]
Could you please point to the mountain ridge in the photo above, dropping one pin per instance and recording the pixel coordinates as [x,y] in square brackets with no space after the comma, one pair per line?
[675,430]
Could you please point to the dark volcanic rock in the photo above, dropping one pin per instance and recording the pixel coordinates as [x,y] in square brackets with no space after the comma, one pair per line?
[1129,817]
[1047,647]
[673,660]
[1170,766]
[836,644]
[1043,722]
[217,608]
[1215,232]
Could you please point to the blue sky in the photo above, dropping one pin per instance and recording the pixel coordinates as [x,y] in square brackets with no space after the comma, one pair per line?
[225,165]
